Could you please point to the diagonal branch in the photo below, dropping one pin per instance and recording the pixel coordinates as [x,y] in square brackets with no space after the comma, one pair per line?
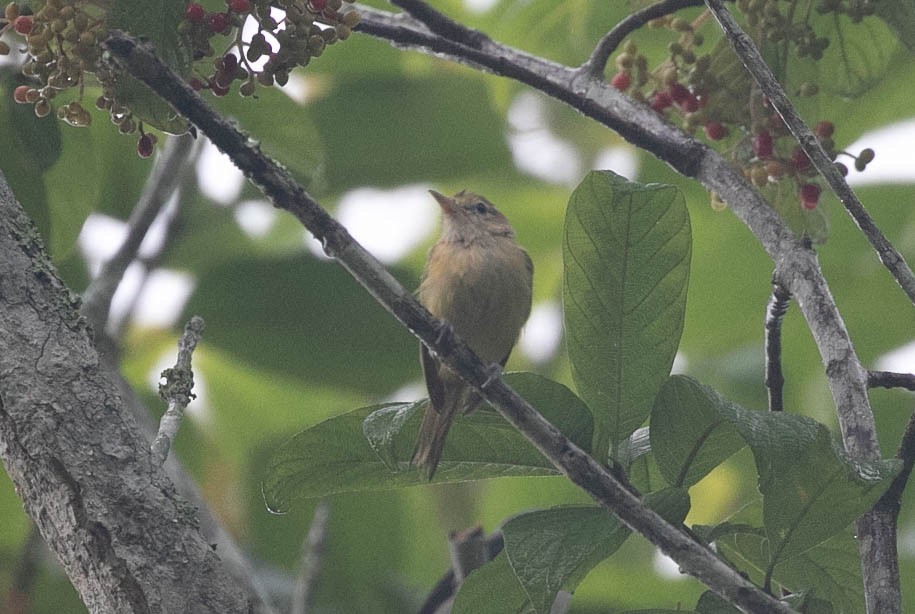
[751,57]
[694,557]
[441,24]
[594,65]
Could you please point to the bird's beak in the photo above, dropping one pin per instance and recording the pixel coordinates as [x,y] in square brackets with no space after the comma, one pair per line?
[448,205]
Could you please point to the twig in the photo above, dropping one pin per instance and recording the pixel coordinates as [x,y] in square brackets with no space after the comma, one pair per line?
[468,552]
[695,558]
[441,24]
[751,57]
[594,65]
[444,589]
[888,379]
[312,553]
[162,182]
[775,312]
[176,390]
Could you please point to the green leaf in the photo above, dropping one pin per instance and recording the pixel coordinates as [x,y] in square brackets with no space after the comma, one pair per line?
[712,603]
[690,434]
[811,489]
[900,16]
[157,22]
[553,550]
[831,570]
[626,253]
[370,448]
[493,588]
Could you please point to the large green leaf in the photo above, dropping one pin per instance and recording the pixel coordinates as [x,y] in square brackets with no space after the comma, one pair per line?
[900,16]
[830,571]
[553,550]
[811,489]
[370,448]
[690,435]
[626,253]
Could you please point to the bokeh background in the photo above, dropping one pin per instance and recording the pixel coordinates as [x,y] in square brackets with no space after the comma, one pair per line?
[292,340]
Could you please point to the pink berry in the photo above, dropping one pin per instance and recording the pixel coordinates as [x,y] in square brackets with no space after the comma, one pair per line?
[810,195]
[679,93]
[145,146]
[661,101]
[690,105]
[824,129]
[19,94]
[715,131]
[621,81]
[194,12]
[195,84]
[762,145]
[217,22]
[240,6]
[799,160]
[23,24]
[318,5]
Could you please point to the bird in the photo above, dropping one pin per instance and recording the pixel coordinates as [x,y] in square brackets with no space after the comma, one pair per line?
[479,281]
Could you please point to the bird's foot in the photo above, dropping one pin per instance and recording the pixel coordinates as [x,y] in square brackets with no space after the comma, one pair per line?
[494,372]
[444,332]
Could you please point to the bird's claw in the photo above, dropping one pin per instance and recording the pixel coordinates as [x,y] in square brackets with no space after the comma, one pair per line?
[494,373]
[444,332]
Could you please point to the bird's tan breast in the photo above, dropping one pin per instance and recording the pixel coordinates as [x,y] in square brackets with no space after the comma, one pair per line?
[483,290]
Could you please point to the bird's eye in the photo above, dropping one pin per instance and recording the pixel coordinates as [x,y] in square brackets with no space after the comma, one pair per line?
[481,208]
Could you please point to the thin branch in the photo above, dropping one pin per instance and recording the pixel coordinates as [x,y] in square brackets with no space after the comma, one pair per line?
[468,552]
[775,312]
[888,379]
[176,391]
[445,588]
[312,555]
[751,57]
[159,188]
[594,65]
[441,24]
[693,557]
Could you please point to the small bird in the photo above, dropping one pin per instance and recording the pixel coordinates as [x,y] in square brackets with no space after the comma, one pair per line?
[478,280]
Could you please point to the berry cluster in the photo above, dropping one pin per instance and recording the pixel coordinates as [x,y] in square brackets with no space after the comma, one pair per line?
[703,91]
[289,34]
[63,47]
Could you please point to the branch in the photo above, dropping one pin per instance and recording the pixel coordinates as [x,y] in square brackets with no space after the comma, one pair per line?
[888,379]
[177,390]
[695,558]
[440,24]
[775,312]
[127,542]
[444,589]
[594,65]
[312,553]
[162,183]
[750,56]
[801,273]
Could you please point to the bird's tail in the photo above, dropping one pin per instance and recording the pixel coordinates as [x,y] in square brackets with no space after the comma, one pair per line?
[432,435]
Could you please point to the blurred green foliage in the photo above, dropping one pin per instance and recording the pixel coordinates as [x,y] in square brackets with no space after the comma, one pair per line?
[292,341]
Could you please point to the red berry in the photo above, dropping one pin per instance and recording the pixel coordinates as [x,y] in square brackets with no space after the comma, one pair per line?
[690,105]
[824,129]
[679,93]
[762,145]
[660,101]
[145,146]
[799,160]
[218,89]
[194,12]
[195,84]
[715,131]
[19,94]
[240,6]
[318,5]
[230,63]
[621,81]
[218,22]
[23,24]
[810,195]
